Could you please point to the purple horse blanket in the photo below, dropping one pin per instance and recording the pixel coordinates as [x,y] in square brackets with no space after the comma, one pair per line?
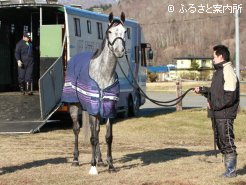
[80,88]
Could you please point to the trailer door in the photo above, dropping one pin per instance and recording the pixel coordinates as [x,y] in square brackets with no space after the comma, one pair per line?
[50,89]
[51,68]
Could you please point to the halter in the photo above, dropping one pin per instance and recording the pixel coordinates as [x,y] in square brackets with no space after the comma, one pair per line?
[115,23]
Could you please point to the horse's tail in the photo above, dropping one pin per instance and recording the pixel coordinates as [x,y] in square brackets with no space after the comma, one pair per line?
[86,127]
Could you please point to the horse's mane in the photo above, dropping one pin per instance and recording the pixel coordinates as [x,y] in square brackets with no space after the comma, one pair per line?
[99,51]
[115,22]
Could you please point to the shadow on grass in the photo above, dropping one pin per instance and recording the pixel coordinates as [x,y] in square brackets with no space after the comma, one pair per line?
[12,169]
[163,155]
[242,171]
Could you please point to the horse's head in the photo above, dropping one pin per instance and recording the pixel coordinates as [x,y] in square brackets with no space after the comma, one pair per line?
[116,35]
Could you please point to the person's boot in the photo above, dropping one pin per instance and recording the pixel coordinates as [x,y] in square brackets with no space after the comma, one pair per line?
[29,88]
[230,161]
[22,89]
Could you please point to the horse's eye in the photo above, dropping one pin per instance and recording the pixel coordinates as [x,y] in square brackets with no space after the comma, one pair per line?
[109,32]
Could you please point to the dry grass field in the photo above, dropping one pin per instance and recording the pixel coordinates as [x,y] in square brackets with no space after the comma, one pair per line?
[172,148]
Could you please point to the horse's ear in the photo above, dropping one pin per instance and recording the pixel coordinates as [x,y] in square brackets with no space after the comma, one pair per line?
[123,17]
[110,17]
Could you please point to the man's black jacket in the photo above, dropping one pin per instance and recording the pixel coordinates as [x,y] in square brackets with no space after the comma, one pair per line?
[223,95]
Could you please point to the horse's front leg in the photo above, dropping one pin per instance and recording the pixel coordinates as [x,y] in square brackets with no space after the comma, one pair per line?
[87,134]
[98,150]
[109,140]
[95,128]
[74,111]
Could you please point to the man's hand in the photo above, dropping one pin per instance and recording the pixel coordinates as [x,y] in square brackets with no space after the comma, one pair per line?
[208,105]
[20,64]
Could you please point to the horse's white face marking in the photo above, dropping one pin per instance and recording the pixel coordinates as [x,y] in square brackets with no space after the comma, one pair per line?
[114,35]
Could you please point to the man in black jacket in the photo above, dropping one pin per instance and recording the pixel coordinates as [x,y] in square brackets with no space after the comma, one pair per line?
[223,101]
[24,58]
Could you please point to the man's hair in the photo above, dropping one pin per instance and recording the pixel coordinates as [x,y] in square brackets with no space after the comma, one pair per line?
[222,50]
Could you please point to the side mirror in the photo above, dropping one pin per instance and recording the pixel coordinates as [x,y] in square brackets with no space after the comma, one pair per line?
[150,54]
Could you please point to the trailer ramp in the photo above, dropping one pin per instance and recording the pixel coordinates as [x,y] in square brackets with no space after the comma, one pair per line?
[19,113]
[27,114]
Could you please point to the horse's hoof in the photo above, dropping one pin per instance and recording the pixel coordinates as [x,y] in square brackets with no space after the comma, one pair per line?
[75,163]
[111,169]
[101,163]
[93,171]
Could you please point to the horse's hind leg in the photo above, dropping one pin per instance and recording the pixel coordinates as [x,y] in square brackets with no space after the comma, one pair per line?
[74,111]
[109,140]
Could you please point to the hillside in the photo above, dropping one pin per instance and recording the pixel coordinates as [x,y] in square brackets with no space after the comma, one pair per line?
[185,34]
[179,34]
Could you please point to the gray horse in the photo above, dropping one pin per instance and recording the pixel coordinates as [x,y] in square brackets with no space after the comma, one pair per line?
[99,96]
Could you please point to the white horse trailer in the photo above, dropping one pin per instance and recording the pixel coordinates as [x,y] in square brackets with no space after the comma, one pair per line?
[58,33]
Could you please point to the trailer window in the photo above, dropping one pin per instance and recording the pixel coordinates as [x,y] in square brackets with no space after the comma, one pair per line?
[99,30]
[89,26]
[77,27]
[128,31]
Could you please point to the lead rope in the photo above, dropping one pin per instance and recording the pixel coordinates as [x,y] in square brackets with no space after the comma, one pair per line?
[137,88]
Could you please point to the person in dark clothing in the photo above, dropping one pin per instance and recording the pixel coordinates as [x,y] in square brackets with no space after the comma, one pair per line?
[24,58]
[223,102]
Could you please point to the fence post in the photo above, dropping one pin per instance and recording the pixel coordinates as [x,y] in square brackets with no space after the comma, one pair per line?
[179,93]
